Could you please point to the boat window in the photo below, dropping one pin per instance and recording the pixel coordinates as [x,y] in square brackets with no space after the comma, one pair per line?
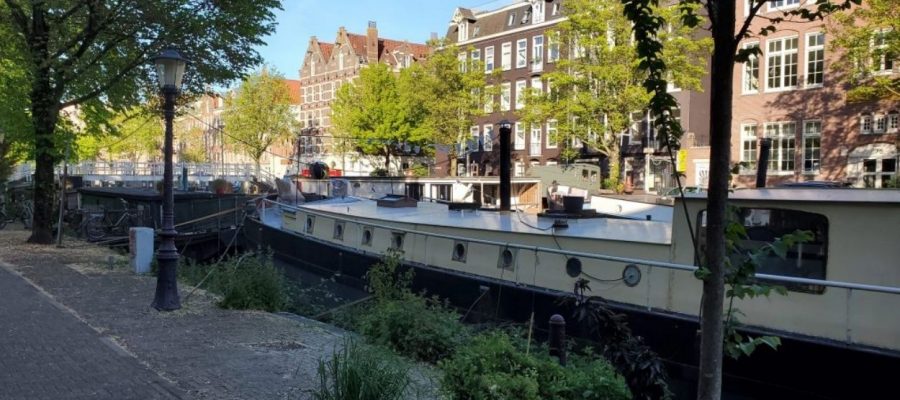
[397,240]
[367,237]
[339,230]
[459,252]
[763,226]
[310,223]
[507,259]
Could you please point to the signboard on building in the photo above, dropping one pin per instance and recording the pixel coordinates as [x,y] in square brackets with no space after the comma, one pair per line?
[682,161]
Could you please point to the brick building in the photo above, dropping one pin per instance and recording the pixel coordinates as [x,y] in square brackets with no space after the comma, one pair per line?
[791,94]
[325,67]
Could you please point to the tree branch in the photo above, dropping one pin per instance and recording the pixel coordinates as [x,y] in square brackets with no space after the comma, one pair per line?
[68,78]
[20,18]
[140,59]
[746,25]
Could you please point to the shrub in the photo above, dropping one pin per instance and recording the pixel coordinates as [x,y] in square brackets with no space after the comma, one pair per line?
[494,366]
[248,282]
[417,327]
[361,373]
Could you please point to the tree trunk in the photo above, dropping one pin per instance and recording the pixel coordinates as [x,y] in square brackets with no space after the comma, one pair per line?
[44,116]
[709,386]
[387,162]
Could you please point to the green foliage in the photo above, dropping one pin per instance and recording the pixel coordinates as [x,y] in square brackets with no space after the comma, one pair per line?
[419,170]
[358,372]
[259,114]
[248,282]
[418,327]
[380,111]
[133,134]
[854,33]
[494,366]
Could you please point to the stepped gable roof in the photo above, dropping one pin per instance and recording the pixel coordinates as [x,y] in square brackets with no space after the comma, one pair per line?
[358,42]
[326,49]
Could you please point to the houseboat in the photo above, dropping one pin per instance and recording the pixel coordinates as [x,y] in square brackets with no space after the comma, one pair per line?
[839,324]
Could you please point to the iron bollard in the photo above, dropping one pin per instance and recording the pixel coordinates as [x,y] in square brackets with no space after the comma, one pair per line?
[558,338]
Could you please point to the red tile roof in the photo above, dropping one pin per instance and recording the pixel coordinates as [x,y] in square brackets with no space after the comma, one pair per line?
[385,46]
[326,49]
[294,88]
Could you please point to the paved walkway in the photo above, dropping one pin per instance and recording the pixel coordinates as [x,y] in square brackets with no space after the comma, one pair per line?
[72,329]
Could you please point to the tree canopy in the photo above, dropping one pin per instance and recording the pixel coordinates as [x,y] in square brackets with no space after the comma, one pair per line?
[380,113]
[259,114]
[870,38]
[135,134]
[598,84]
[97,54]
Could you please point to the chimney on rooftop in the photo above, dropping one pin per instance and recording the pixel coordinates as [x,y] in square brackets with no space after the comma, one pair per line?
[372,43]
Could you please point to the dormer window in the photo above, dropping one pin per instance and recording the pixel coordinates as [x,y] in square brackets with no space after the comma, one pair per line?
[555,10]
[538,12]
[526,16]
[463,30]
[512,19]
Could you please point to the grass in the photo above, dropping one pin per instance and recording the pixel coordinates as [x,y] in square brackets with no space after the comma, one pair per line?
[359,372]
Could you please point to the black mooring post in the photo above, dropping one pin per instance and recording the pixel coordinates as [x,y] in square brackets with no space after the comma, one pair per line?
[505,186]
[765,146]
[558,338]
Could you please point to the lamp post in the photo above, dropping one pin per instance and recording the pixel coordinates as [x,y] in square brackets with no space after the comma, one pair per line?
[170,67]
[505,186]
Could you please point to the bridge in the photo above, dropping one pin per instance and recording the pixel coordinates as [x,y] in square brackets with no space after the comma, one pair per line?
[147,173]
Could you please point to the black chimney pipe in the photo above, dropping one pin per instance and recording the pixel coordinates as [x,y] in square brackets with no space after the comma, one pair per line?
[505,186]
[765,145]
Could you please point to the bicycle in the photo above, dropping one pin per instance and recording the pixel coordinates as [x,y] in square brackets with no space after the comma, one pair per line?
[97,226]
[23,212]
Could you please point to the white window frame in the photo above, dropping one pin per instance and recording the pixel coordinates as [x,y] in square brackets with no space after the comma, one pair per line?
[537,53]
[519,136]
[537,14]
[476,56]
[475,133]
[555,10]
[521,53]
[534,149]
[749,147]
[893,125]
[783,55]
[463,59]
[780,146]
[518,168]
[866,124]
[747,67]
[537,86]
[505,96]
[488,99]
[463,28]
[879,123]
[881,63]
[506,56]
[552,48]
[489,59]
[521,87]
[488,141]
[809,135]
[784,5]
[820,59]
[552,131]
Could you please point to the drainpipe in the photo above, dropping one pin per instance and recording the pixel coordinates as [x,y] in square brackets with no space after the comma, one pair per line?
[765,145]
[505,191]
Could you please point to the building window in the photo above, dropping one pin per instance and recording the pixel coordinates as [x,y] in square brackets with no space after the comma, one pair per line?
[520,94]
[488,138]
[812,146]
[749,143]
[520,137]
[535,149]
[782,4]
[504,96]
[555,10]
[537,86]
[463,30]
[538,12]
[506,56]
[512,19]
[489,59]
[865,124]
[815,59]
[552,48]
[476,138]
[537,50]
[521,53]
[552,132]
[884,60]
[476,57]
[893,122]
[488,99]
[880,125]
[751,71]
[782,64]
[341,60]
[519,168]
[878,173]
[783,145]
[461,57]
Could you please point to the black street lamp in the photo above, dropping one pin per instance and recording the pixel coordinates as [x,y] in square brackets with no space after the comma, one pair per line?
[170,67]
[505,178]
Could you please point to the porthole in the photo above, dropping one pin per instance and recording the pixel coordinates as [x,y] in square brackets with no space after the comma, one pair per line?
[367,237]
[310,223]
[507,258]
[397,240]
[339,230]
[459,251]
[573,267]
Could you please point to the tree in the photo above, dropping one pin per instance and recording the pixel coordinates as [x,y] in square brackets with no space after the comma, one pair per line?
[453,94]
[380,112]
[597,85]
[259,115]
[134,134]
[727,33]
[870,37]
[14,122]
[97,54]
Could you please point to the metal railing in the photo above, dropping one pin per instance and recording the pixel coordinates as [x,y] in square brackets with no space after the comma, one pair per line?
[604,257]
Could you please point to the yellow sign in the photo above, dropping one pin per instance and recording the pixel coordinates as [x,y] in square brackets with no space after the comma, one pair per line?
[682,161]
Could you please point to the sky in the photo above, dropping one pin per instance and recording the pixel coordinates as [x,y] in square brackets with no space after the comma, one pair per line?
[411,20]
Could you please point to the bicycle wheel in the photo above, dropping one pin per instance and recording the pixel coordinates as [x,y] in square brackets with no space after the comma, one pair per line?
[93,229]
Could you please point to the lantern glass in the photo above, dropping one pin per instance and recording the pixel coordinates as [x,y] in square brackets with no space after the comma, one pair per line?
[170,66]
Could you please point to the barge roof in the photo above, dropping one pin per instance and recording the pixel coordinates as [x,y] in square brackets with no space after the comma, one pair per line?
[435,214]
[821,195]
